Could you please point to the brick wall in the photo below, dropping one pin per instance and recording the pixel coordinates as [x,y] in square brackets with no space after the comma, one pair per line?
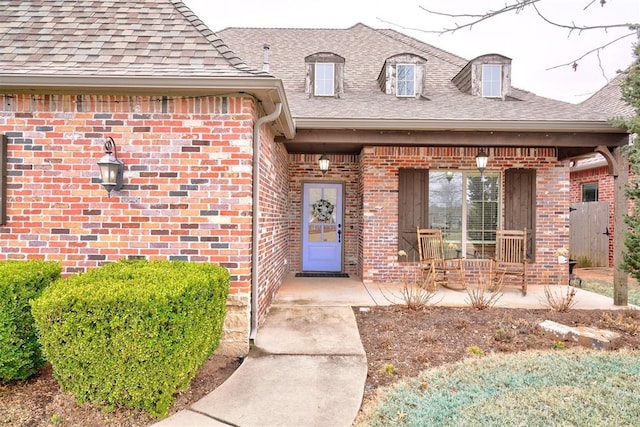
[187,193]
[273,250]
[379,184]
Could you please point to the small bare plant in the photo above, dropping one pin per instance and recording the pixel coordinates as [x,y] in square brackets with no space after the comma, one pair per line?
[517,326]
[387,341]
[558,300]
[461,323]
[418,288]
[623,321]
[428,337]
[417,293]
[503,335]
[486,294]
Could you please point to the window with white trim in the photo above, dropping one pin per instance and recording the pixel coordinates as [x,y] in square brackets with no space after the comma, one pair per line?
[491,80]
[324,80]
[405,80]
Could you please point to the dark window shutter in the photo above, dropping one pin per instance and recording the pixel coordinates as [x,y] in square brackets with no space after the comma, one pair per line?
[413,209]
[520,204]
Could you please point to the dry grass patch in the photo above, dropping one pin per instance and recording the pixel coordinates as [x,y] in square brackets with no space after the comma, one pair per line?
[570,387]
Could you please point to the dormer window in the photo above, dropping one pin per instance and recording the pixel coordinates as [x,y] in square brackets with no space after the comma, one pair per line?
[492,80]
[403,75]
[325,72]
[487,76]
[406,80]
[323,84]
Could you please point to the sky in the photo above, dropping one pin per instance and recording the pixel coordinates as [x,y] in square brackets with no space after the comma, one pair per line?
[534,46]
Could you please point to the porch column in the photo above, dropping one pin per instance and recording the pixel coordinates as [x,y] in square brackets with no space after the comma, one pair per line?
[620,179]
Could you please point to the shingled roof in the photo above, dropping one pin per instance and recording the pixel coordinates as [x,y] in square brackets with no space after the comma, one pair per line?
[124,47]
[112,38]
[609,99]
[365,50]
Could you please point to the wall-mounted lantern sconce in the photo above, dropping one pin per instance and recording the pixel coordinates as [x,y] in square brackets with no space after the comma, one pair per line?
[449,175]
[111,168]
[323,164]
[481,161]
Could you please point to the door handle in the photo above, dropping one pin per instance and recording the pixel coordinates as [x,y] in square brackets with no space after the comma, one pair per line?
[339,232]
[606,232]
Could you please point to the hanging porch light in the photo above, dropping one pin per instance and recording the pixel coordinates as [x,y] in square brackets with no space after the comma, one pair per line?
[481,161]
[323,164]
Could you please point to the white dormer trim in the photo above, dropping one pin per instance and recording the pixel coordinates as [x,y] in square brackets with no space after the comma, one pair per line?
[389,81]
[321,69]
[470,78]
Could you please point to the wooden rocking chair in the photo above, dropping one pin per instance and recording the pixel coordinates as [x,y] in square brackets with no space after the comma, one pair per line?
[510,258]
[433,262]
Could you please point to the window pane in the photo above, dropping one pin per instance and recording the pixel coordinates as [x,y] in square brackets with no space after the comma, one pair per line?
[491,80]
[322,215]
[466,207]
[324,81]
[483,194]
[445,208]
[405,80]
[590,192]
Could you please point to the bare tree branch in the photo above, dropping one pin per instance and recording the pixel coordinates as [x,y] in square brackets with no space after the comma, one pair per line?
[574,27]
[517,7]
[574,63]
[477,18]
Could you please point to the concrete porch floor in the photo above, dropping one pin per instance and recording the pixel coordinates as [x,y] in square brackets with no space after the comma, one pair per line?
[315,291]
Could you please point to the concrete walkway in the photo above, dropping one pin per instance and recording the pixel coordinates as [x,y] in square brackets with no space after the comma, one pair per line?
[308,367]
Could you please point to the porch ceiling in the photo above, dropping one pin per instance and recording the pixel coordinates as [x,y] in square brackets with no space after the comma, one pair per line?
[569,144]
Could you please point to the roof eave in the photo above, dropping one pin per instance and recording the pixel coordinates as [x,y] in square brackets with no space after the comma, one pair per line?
[589,126]
[267,90]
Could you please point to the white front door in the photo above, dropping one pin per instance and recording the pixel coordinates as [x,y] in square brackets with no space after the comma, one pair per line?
[322,227]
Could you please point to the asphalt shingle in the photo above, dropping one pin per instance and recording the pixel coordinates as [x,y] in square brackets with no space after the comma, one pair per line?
[112,38]
[365,50]
[609,99]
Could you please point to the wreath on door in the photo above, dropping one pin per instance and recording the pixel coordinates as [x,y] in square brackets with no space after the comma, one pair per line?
[322,210]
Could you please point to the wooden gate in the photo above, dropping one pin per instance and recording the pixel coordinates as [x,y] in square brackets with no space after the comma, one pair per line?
[589,233]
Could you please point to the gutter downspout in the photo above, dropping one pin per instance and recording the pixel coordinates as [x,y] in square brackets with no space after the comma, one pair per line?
[255,215]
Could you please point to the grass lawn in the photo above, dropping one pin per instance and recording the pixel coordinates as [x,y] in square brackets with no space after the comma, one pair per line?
[560,387]
[606,289]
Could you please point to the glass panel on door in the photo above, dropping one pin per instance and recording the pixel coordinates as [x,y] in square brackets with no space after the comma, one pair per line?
[322,215]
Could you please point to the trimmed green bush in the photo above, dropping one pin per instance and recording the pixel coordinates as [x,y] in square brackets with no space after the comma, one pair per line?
[132,333]
[20,281]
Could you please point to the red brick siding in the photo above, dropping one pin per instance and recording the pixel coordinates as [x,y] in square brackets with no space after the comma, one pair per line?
[188,181]
[273,250]
[343,169]
[380,166]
